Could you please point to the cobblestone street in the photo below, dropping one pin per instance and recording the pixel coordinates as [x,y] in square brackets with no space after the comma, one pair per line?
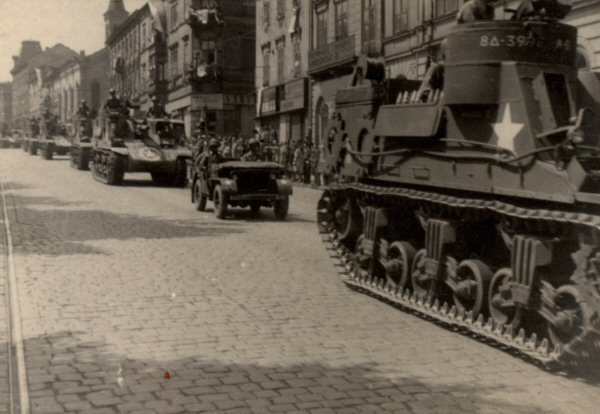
[134,302]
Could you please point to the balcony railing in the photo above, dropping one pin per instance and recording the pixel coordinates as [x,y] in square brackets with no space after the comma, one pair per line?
[330,55]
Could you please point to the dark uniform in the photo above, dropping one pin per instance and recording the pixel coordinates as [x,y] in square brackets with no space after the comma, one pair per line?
[476,10]
[84,110]
[156,111]
[209,157]
[254,153]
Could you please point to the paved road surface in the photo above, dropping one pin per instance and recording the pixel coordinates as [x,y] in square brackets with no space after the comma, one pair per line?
[133,302]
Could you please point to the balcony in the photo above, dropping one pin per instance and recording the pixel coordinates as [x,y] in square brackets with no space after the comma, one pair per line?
[329,56]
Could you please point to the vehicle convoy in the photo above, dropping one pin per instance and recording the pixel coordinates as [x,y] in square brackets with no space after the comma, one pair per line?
[130,144]
[236,183]
[54,138]
[81,145]
[32,137]
[478,205]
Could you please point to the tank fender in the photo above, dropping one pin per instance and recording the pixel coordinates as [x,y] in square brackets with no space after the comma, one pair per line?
[120,151]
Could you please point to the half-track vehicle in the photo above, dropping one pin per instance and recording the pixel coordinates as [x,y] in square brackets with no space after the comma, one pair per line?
[477,205]
[131,144]
[235,183]
[81,145]
[54,138]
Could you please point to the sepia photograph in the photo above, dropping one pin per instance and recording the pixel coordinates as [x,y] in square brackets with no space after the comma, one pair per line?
[299,206]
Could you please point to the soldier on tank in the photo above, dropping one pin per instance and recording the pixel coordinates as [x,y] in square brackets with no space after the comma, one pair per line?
[476,10]
[253,153]
[113,103]
[157,110]
[84,110]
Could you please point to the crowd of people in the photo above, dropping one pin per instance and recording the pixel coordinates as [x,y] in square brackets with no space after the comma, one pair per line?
[300,158]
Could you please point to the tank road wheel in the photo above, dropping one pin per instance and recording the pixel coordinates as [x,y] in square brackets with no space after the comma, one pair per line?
[115,170]
[400,261]
[423,285]
[281,207]
[500,304]
[220,202]
[572,316]
[473,280]
[199,197]
[347,220]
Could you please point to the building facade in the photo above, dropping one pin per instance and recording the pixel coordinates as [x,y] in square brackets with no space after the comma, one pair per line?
[210,69]
[5,108]
[82,78]
[407,34]
[136,54]
[282,44]
[32,70]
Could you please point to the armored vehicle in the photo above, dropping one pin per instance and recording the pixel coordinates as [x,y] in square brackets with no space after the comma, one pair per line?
[477,205]
[127,144]
[54,138]
[81,146]
[236,183]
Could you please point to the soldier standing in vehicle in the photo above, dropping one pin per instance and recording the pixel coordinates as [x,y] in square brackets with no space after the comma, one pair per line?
[157,110]
[253,153]
[84,110]
[476,10]
[210,157]
[113,103]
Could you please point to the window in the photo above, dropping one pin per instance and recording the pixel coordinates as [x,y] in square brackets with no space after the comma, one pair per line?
[152,68]
[321,27]
[368,30]
[341,19]
[281,61]
[173,21]
[210,52]
[143,39]
[266,66]
[297,56]
[280,9]
[443,7]
[400,16]
[266,13]
[174,67]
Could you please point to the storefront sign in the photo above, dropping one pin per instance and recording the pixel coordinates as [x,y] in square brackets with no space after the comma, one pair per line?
[240,99]
[293,96]
[208,101]
[268,105]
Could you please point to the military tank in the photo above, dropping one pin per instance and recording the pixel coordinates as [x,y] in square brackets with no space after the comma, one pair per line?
[81,145]
[133,144]
[478,205]
[54,138]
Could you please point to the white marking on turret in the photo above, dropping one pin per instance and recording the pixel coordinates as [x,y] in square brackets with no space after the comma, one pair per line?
[506,130]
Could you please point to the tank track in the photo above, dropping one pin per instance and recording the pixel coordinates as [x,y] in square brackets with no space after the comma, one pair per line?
[80,157]
[577,353]
[108,167]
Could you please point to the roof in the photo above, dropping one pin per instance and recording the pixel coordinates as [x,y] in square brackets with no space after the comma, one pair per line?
[127,23]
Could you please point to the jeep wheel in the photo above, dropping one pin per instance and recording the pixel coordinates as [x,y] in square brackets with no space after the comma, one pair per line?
[220,202]
[280,208]
[199,197]
[255,207]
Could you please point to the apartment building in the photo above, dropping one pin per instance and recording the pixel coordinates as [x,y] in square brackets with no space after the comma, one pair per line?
[282,44]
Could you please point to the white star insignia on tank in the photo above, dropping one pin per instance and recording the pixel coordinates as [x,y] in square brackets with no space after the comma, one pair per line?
[506,130]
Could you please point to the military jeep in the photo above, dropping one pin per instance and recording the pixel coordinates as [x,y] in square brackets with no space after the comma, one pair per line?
[236,183]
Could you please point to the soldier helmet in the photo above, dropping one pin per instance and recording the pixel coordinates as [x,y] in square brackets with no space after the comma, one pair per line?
[252,142]
[112,91]
[213,143]
[154,99]
[83,101]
